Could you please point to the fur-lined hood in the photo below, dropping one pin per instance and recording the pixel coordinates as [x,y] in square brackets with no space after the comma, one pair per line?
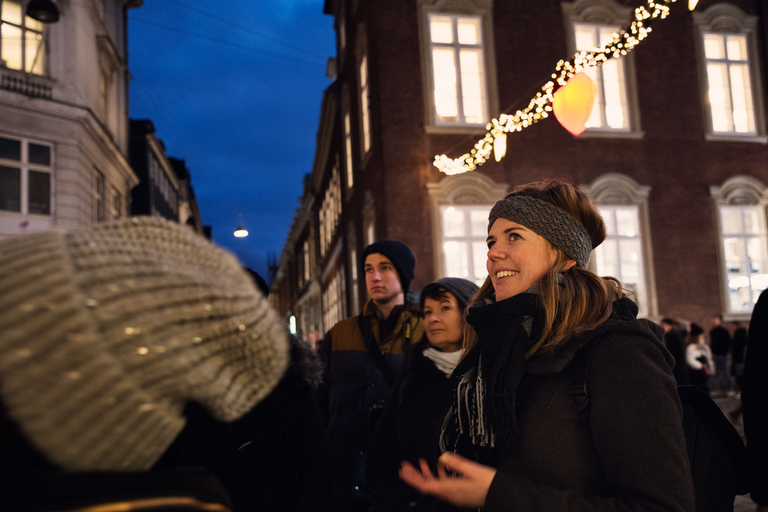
[305,362]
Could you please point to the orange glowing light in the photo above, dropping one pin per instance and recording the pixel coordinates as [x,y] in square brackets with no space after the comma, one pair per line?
[572,103]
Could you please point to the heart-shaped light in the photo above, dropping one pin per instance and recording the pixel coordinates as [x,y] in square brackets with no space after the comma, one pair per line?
[572,103]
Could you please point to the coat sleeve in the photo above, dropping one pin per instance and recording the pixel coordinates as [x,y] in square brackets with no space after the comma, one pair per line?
[637,435]
[754,396]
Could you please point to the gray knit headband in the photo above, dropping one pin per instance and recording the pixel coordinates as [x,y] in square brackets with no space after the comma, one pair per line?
[549,222]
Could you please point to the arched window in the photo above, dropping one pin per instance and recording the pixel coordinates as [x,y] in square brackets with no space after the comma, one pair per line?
[740,206]
[460,207]
[730,79]
[626,252]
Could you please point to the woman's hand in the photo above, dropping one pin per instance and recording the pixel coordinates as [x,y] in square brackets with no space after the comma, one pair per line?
[459,481]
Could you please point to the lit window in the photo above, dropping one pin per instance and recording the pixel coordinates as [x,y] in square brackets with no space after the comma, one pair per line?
[610,111]
[458,69]
[728,82]
[365,93]
[330,211]
[465,229]
[621,253]
[727,41]
[22,45]
[25,177]
[625,253]
[348,149]
[333,300]
[740,204]
[745,252]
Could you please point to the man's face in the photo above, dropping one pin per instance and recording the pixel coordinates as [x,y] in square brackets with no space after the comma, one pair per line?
[381,278]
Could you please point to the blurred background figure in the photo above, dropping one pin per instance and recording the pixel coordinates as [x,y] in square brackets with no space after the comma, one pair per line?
[116,341]
[698,355]
[676,346]
[410,425]
[720,344]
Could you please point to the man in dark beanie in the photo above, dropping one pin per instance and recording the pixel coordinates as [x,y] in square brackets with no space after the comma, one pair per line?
[363,357]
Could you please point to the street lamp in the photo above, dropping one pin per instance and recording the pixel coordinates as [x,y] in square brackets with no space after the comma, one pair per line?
[45,11]
[241,232]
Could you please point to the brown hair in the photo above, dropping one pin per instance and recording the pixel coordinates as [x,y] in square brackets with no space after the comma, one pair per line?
[578,301]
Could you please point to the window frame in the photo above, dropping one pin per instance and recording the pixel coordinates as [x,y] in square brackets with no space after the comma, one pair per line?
[606,14]
[363,73]
[25,167]
[617,190]
[727,19]
[741,191]
[462,190]
[482,9]
[42,46]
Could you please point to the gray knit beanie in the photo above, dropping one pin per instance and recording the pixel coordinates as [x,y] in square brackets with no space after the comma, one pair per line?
[107,333]
[462,289]
[549,222]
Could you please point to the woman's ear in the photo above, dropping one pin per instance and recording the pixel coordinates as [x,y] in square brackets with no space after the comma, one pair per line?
[568,265]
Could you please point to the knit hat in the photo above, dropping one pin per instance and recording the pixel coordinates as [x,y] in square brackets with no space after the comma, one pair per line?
[107,333]
[400,256]
[549,222]
[462,289]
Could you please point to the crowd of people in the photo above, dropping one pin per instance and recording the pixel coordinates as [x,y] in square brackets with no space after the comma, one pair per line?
[139,348]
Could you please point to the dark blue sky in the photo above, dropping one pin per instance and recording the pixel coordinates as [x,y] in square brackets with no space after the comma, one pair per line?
[234,89]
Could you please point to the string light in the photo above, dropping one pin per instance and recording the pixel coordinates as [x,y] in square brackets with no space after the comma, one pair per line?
[540,105]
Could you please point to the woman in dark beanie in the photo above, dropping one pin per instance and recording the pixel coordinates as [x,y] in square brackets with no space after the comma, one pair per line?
[514,438]
[410,424]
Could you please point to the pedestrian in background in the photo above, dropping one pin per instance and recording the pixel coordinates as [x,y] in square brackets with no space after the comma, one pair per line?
[514,437]
[754,397]
[410,425]
[676,346]
[720,344]
[363,356]
[698,355]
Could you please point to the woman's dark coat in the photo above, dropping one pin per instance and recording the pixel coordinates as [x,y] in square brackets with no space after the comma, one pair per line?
[631,456]
[409,429]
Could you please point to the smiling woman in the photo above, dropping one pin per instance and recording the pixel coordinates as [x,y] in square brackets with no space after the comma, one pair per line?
[514,437]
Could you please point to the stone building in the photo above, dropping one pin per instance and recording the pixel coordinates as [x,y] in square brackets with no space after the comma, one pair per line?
[64,116]
[675,152]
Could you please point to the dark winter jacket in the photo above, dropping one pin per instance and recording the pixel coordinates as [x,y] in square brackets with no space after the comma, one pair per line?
[720,340]
[631,456]
[276,457]
[676,346]
[354,390]
[409,429]
[754,396]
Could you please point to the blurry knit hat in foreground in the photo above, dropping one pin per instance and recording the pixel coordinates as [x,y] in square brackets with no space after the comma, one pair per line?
[107,333]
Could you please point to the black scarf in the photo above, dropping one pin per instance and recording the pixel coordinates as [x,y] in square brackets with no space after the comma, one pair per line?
[482,423]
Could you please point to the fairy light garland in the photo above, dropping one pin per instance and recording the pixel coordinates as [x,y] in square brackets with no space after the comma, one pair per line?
[541,105]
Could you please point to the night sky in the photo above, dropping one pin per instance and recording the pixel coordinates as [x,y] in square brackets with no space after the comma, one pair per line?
[234,87]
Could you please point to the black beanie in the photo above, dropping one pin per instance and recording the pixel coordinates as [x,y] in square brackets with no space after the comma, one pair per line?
[400,256]
[460,288]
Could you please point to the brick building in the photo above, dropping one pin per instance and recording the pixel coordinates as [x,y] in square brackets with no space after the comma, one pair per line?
[675,153]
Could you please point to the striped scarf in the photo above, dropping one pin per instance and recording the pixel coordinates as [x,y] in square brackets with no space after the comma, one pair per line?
[482,423]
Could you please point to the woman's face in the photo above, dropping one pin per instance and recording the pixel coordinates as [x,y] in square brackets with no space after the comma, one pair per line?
[517,258]
[442,321]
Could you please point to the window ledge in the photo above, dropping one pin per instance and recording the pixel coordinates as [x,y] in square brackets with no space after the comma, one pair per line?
[455,129]
[721,137]
[28,84]
[611,134]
